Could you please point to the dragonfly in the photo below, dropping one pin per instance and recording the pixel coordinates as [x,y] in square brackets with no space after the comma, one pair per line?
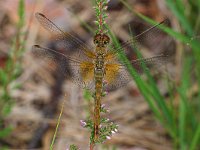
[92,65]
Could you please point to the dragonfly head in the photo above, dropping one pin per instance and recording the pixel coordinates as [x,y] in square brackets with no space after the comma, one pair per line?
[101,40]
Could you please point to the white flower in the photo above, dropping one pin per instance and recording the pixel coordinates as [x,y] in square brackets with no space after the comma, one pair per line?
[103,105]
[108,137]
[113,132]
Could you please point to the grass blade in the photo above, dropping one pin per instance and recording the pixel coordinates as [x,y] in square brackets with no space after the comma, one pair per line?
[57,126]
[195,139]
[178,11]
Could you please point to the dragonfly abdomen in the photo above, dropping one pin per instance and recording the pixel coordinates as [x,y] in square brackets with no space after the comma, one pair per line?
[99,74]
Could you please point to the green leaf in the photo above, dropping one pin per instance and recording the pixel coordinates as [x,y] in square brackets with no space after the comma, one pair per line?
[17,71]
[3,77]
[21,13]
[87,95]
[7,108]
[9,64]
[73,147]
[17,86]
[5,132]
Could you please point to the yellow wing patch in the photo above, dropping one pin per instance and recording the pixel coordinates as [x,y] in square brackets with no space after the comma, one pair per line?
[87,71]
[110,56]
[89,54]
[112,70]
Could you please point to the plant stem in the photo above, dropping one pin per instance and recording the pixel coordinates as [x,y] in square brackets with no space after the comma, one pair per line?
[100,18]
[91,145]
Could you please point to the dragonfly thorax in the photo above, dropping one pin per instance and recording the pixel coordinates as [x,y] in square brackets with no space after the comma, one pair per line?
[99,63]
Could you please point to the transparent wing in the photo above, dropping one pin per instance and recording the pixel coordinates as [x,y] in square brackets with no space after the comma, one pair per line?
[82,74]
[66,40]
[152,34]
[78,72]
[117,74]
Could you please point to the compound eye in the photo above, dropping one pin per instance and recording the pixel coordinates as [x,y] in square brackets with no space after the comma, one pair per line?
[105,42]
[96,41]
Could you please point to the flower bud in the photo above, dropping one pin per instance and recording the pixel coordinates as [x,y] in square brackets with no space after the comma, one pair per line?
[83,123]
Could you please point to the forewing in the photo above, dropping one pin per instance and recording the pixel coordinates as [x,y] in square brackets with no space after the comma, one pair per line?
[71,68]
[66,40]
[152,34]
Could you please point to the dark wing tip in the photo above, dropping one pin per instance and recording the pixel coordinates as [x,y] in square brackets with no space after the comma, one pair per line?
[36,46]
[165,21]
[38,14]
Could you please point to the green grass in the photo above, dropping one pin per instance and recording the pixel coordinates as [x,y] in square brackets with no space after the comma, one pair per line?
[180,121]
[57,126]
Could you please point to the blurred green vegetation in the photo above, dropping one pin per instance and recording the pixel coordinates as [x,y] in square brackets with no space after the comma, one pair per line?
[11,72]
